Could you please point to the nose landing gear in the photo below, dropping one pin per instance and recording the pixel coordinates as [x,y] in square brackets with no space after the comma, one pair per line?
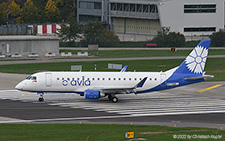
[41,98]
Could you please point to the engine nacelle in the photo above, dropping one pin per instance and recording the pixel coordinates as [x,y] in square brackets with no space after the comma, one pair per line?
[92,94]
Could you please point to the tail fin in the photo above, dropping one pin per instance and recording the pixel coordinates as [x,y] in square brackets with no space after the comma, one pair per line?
[195,61]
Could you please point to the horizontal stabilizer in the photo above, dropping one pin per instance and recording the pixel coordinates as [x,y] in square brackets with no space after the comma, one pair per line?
[206,77]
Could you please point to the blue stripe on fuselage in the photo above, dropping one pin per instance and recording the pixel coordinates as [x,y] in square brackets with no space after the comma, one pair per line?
[175,78]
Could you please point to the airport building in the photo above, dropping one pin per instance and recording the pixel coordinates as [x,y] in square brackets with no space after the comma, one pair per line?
[24,45]
[146,17]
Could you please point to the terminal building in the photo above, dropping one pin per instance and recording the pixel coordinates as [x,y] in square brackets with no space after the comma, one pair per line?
[146,17]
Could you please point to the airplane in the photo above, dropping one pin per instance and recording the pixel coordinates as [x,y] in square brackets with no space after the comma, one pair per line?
[95,85]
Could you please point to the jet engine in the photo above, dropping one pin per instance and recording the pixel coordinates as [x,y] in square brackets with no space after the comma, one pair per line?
[93,94]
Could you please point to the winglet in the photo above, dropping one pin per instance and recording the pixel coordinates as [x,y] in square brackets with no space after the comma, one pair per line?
[141,83]
[124,69]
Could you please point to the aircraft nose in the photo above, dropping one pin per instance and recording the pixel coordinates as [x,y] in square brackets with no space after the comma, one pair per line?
[19,86]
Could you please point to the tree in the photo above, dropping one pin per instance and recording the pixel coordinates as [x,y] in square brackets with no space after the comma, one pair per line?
[66,7]
[30,12]
[175,39]
[218,38]
[71,31]
[161,39]
[40,4]
[3,12]
[37,11]
[108,38]
[165,38]
[15,10]
[93,31]
[52,13]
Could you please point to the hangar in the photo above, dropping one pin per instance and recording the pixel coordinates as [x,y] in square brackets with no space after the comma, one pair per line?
[146,17]
[25,45]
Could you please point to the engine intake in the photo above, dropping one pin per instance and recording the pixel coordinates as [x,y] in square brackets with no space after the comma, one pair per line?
[92,94]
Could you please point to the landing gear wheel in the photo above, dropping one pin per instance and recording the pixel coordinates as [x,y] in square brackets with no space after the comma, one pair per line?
[114,99]
[41,99]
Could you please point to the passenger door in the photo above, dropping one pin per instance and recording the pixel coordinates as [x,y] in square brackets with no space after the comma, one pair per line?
[48,79]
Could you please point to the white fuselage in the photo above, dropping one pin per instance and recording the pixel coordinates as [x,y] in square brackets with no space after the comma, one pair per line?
[80,81]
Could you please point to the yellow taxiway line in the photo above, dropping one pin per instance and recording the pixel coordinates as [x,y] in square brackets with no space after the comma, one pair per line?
[213,87]
[9,81]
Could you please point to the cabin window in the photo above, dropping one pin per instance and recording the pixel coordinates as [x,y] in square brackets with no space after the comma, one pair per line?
[150,79]
[135,78]
[155,79]
[98,78]
[93,78]
[57,78]
[88,79]
[124,79]
[68,79]
[109,79]
[114,78]
[103,79]
[62,78]
[72,78]
[140,78]
[129,78]
[77,78]
[119,78]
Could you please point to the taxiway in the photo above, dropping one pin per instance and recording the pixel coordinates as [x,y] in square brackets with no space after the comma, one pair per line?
[188,106]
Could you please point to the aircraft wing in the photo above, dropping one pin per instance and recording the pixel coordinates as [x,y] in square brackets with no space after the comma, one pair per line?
[117,90]
[121,90]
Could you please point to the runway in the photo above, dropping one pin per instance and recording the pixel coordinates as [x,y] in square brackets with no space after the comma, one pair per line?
[185,106]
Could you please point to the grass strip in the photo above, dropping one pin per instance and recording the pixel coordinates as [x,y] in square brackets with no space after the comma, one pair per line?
[106,132]
[139,53]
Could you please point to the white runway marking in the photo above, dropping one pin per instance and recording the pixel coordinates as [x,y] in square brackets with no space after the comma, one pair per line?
[109,117]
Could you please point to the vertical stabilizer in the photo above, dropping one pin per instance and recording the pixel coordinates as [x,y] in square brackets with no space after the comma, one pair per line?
[195,61]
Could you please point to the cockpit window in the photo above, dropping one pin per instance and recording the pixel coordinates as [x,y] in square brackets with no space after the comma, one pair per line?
[31,78]
[34,78]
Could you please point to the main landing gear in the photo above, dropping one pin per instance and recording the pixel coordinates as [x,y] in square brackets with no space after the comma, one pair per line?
[41,98]
[113,98]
